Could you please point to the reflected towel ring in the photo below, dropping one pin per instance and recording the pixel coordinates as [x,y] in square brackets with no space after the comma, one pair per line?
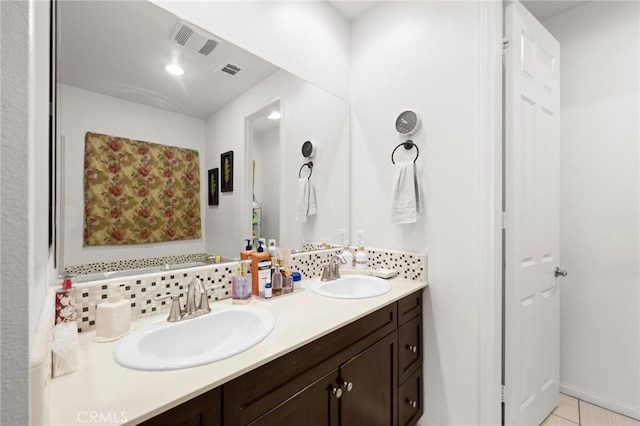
[310,165]
[407,145]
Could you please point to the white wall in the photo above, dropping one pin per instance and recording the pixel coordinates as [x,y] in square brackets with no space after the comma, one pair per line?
[308,113]
[599,202]
[26,265]
[424,56]
[308,39]
[83,111]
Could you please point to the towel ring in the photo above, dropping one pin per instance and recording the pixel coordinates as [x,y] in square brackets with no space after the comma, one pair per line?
[310,165]
[407,145]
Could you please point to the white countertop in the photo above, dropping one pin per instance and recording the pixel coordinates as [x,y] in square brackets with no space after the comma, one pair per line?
[107,393]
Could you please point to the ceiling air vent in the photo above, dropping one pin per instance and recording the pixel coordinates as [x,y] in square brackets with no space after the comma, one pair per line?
[193,39]
[230,69]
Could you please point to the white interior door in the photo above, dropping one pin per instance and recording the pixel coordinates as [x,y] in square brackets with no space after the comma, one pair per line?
[531,296]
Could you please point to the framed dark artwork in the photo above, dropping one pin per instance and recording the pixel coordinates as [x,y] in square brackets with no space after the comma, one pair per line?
[213,186]
[226,178]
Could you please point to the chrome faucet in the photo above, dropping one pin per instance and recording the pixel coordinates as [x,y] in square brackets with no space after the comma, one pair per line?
[197,301]
[332,271]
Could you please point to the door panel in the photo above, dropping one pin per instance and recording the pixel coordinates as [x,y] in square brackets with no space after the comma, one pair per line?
[531,152]
[373,378]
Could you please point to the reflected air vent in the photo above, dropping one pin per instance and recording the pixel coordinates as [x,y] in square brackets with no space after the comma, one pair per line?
[193,39]
[230,69]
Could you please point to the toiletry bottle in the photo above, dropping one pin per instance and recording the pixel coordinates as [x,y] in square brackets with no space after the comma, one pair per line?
[241,285]
[248,250]
[264,275]
[348,257]
[260,243]
[267,291]
[113,317]
[272,249]
[256,258]
[276,280]
[361,259]
[297,279]
[65,299]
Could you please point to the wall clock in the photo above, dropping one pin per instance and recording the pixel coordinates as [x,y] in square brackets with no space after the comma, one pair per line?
[408,123]
[308,149]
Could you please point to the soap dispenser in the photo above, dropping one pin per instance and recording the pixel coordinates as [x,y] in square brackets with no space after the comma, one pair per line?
[348,257]
[241,285]
[113,317]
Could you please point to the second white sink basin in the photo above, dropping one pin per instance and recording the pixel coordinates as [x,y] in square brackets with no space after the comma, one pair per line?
[224,332]
[351,287]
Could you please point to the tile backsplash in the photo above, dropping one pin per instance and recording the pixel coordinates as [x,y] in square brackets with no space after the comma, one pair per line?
[142,289]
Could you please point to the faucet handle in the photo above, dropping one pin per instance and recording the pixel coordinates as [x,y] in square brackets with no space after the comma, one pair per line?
[204,300]
[325,273]
[175,313]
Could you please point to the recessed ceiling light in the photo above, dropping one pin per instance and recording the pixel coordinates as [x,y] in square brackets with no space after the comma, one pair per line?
[174,69]
[274,115]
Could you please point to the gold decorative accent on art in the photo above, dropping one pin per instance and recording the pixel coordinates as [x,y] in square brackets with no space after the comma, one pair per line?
[139,192]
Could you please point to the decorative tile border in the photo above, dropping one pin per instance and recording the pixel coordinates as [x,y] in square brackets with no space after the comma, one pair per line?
[119,265]
[142,289]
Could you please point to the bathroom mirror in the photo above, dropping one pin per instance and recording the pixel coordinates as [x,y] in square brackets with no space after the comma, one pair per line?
[111,80]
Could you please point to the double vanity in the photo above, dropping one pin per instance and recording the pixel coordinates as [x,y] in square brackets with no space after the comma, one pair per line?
[301,358]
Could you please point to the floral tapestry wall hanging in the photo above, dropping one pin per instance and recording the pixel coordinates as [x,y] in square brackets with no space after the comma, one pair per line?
[139,192]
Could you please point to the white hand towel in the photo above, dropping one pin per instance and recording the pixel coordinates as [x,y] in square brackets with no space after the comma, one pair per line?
[406,203]
[306,200]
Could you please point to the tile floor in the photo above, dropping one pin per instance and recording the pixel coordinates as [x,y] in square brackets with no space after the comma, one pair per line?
[571,412]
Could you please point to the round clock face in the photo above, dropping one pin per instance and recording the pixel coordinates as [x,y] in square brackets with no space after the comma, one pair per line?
[308,149]
[407,123]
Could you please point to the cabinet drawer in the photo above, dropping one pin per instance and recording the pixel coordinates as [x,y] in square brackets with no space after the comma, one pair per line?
[409,348]
[409,307]
[410,396]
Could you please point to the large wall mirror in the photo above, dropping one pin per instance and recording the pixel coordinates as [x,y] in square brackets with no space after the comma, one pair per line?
[112,80]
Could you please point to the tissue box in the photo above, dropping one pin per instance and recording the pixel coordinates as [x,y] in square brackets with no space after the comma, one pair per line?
[64,349]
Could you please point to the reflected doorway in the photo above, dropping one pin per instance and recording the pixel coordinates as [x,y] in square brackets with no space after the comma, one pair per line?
[264,166]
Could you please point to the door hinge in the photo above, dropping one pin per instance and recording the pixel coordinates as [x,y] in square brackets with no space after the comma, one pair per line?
[505,394]
[506,44]
[506,220]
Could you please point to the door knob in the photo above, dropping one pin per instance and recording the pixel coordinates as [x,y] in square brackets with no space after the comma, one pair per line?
[348,386]
[559,272]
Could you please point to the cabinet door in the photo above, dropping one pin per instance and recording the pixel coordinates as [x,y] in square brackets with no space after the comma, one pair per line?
[369,385]
[316,404]
[203,410]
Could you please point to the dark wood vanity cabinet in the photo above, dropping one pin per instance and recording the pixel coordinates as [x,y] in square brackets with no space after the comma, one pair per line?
[366,373]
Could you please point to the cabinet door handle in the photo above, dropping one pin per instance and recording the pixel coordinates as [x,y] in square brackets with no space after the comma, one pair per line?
[348,386]
[413,404]
[337,392]
[412,348]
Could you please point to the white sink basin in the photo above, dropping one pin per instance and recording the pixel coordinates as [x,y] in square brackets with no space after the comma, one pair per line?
[224,332]
[351,287]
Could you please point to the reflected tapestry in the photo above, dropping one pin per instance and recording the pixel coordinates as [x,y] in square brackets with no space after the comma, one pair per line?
[139,192]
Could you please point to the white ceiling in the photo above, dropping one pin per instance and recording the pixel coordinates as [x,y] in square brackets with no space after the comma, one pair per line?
[120,49]
[545,9]
[541,9]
